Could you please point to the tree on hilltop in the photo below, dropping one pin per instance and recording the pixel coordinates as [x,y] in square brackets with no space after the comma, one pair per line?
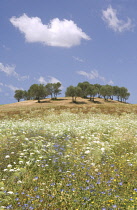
[56,89]
[74,92]
[83,86]
[53,89]
[124,94]
[19,94]
[37,91]
[92,91]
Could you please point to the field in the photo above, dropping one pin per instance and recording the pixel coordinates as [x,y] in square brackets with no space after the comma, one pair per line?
[57,155]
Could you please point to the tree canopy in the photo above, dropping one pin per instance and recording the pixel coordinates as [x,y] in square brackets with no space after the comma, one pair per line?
[39,91]
[83,89]
[105,91]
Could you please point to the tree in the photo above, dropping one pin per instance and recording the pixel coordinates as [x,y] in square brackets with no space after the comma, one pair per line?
[26,95]
[109,91]
[74,92]
[18,94]
[103,91]
[92,91]
[53,89]
[38,91]
[83,86]
[116,92]
[98,86]
[106,91]
[78,92]
[49,88]
[124,94]
[127,96]
[70,92]
[56,89]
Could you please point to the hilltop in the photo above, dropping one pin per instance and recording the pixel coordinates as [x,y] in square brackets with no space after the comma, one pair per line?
[32,108]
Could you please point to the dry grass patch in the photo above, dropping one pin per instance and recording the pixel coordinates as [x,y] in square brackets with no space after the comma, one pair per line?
[32,108]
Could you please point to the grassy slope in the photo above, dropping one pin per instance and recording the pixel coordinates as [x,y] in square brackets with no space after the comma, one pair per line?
[70,161]
[32,108]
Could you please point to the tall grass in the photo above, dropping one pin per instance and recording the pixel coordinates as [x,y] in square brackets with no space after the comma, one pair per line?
[69,161]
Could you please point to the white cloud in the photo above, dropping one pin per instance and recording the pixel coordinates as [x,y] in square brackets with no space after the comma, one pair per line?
[78,59]
[58,33]
[13,88]
[42,80]
[50,80]
[110,82]
[94,75]
[1,83]
[10,71]
[110,17]
[53,80]
[91,75]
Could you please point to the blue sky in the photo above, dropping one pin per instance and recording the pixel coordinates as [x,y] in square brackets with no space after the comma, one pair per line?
[73,41]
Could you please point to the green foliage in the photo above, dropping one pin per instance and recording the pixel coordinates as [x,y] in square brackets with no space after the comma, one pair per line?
[53,89]
[19,94]
[124,94]
[74,92]
[83,86]
[106,91]
[92,90]
[37,91]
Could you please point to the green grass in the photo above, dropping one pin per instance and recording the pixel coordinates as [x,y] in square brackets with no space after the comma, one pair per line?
[62,160]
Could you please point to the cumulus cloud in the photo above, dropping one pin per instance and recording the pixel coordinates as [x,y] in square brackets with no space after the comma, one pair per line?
[110,17]
[91,75]
[58,33]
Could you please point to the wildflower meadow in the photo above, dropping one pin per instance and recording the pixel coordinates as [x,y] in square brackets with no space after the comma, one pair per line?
[68,161]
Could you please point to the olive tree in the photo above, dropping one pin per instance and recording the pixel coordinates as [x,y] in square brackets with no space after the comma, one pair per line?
[37,91]
[74,92]
[18,95]
[92,91]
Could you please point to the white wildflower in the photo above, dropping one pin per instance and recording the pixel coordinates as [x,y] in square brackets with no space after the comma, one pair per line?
[87,151]
[21,154]
[9,166]
[102,149]
[7,156]
[19,182]
[11,170]
[10,192]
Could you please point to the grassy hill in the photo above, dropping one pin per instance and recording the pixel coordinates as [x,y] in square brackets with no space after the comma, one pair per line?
[32,108]
[62,155]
